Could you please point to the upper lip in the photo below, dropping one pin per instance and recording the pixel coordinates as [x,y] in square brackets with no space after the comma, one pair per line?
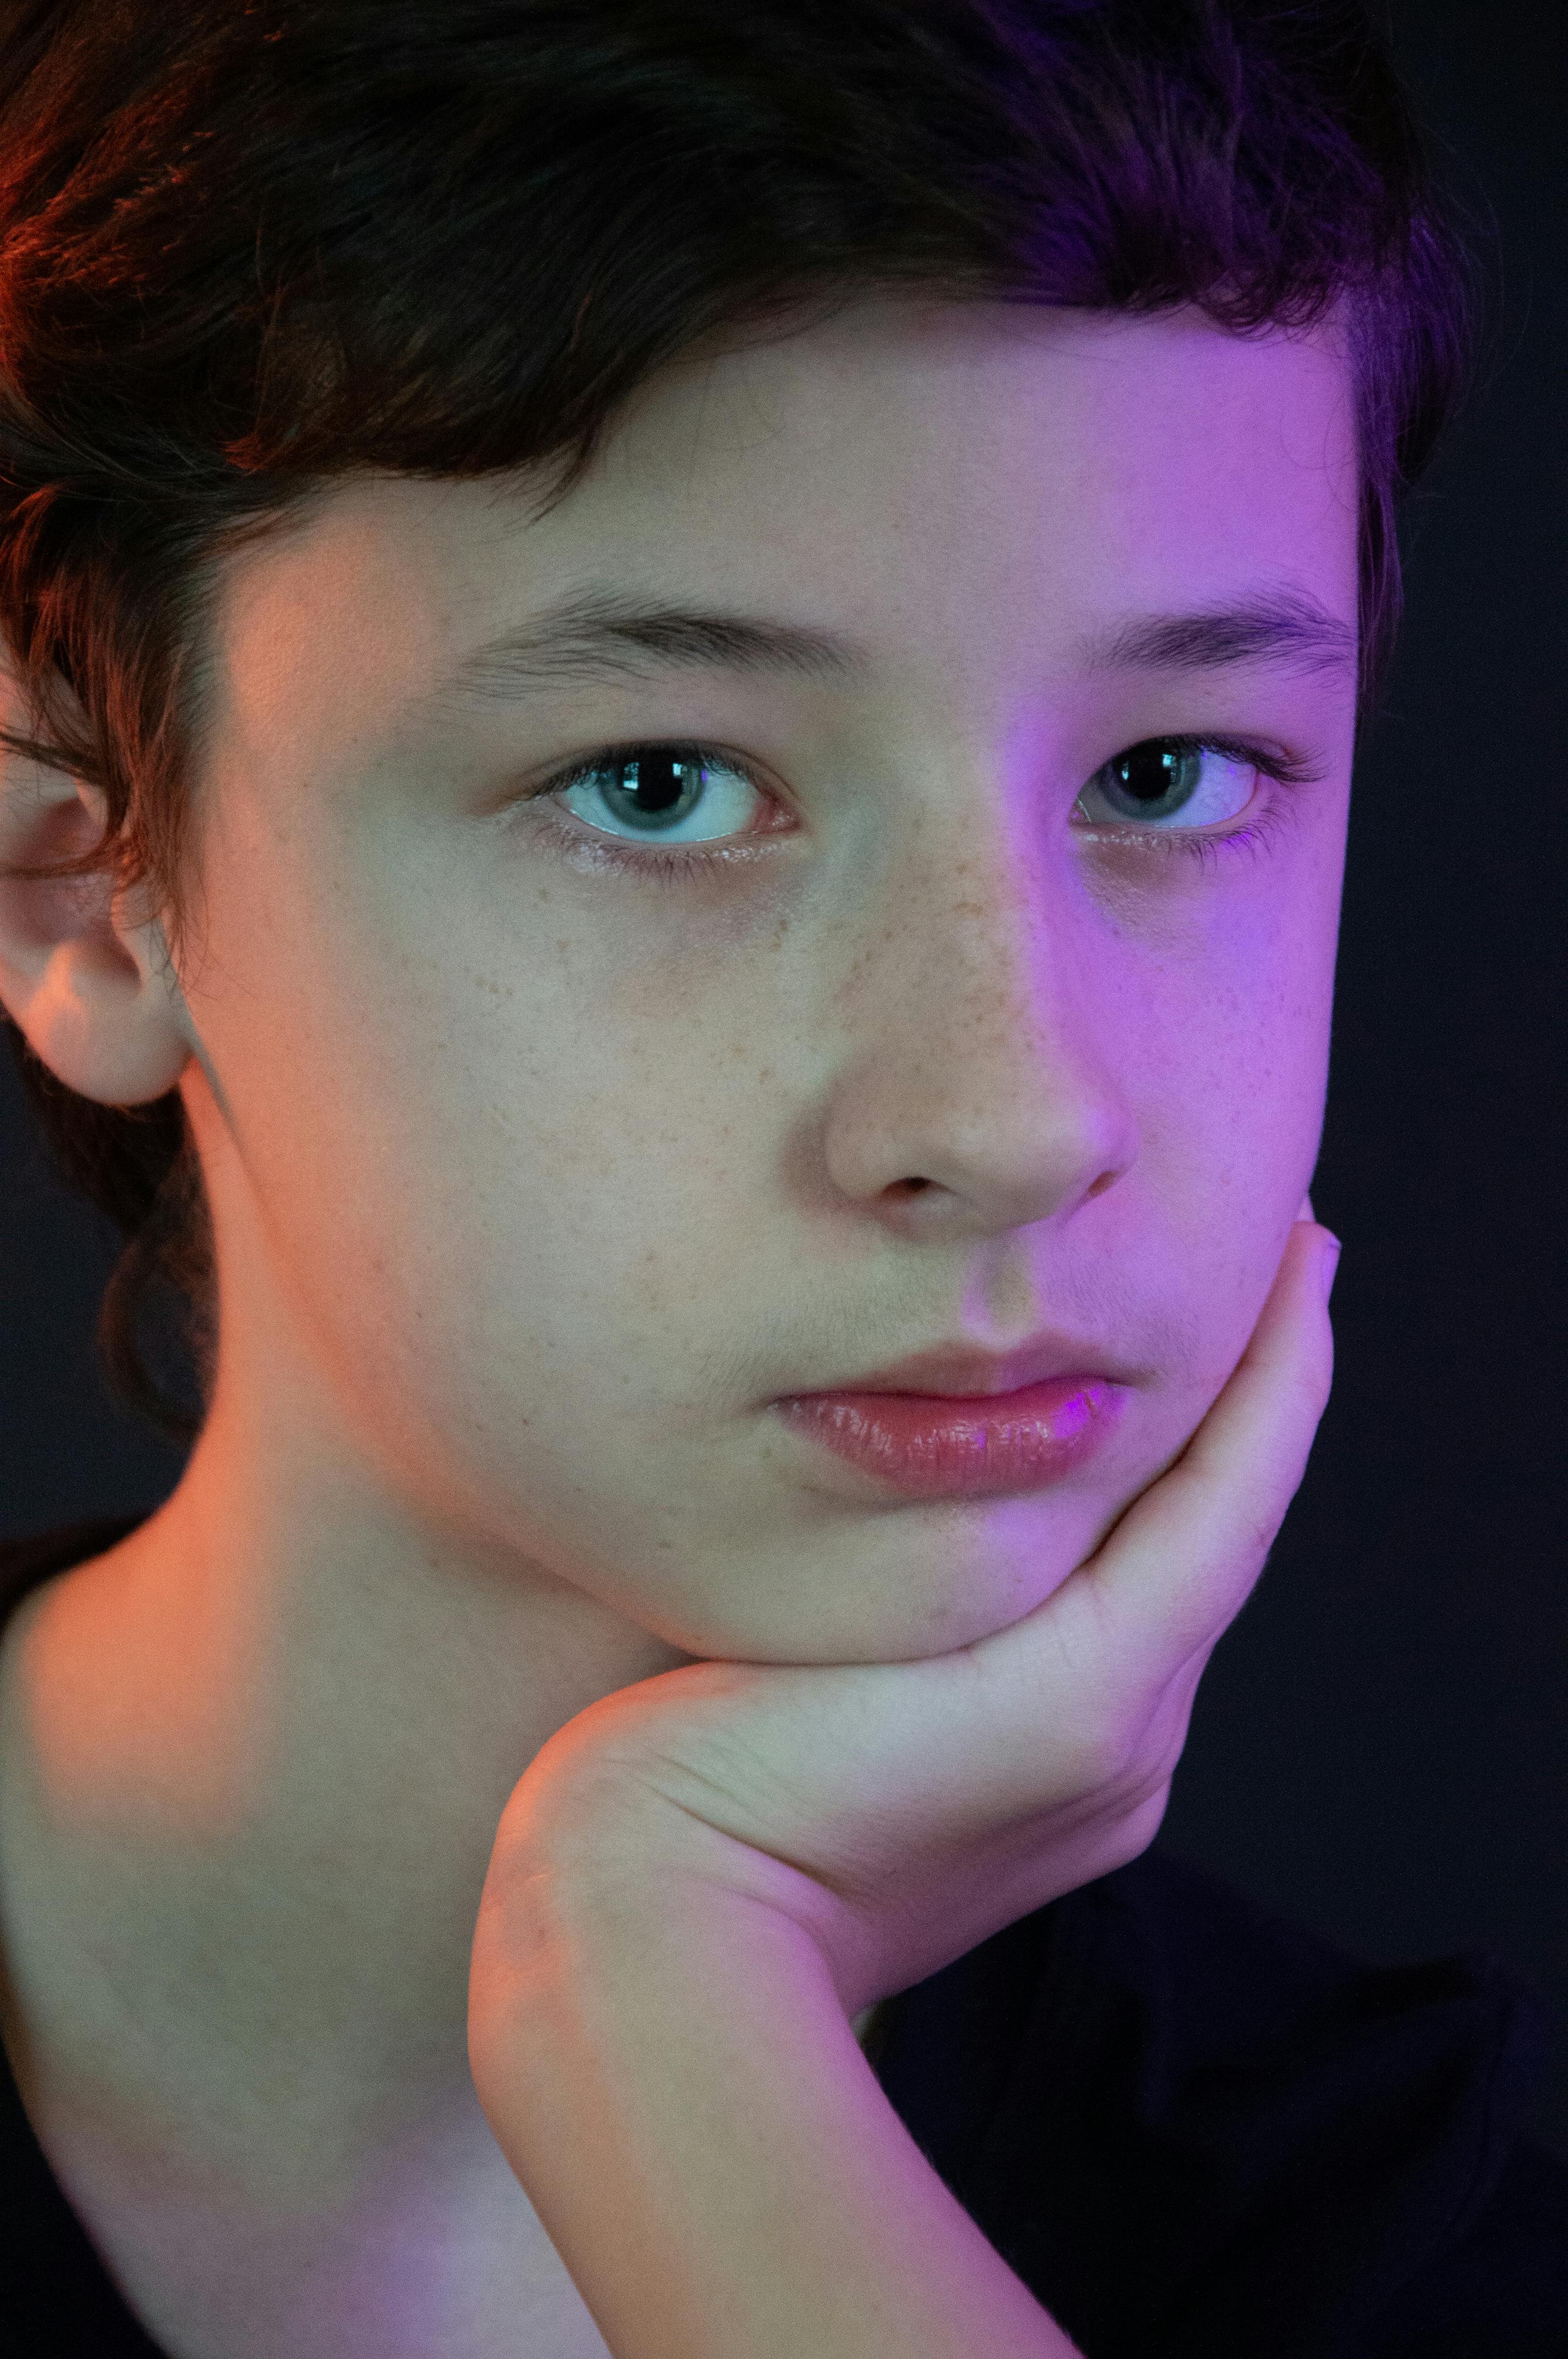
[957,1369]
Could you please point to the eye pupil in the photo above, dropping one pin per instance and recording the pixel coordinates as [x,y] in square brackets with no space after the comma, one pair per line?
[1150,772]
[648,785]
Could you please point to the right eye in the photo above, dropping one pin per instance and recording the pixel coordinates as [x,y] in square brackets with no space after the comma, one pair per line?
[663,794]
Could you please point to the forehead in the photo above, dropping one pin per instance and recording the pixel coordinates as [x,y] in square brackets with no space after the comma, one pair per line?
[986,481]
[1003,425]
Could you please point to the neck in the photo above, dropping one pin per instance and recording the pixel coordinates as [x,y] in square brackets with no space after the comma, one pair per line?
[253,1762]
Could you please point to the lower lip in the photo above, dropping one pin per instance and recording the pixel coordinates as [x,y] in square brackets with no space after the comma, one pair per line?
[934,1446]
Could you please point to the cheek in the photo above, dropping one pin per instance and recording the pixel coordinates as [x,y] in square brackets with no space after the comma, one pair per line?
[544,1192]
[1228,1050]
[1227,1027]
[472,1142]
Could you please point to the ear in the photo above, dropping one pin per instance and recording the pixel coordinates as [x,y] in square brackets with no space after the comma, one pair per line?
[87,976]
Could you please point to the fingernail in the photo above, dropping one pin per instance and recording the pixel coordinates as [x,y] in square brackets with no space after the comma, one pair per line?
[1328,1266]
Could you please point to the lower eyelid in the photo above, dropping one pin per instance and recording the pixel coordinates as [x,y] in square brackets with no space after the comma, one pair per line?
[1262,822]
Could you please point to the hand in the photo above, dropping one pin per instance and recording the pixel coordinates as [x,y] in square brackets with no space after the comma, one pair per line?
[901,1813]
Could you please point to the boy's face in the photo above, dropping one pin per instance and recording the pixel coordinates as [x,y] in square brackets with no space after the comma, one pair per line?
[537,1178]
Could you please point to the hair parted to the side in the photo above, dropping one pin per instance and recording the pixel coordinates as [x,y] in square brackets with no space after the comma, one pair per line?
[248,247]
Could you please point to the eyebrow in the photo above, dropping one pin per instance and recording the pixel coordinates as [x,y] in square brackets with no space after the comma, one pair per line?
[604,635]
[1284,626]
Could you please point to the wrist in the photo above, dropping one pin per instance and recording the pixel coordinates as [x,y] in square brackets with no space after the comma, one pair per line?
[668,2068]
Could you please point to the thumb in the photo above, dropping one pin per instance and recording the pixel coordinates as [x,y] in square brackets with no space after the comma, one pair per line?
[1180,1565]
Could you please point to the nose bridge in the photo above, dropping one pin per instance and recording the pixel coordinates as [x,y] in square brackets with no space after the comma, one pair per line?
[983,937]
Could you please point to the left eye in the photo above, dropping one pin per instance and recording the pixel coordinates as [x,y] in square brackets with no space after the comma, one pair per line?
[1171,779]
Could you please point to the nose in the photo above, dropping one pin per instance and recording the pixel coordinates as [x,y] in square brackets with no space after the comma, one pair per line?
[981,1091]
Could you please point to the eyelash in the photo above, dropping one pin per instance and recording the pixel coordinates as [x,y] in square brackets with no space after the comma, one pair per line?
[691,860]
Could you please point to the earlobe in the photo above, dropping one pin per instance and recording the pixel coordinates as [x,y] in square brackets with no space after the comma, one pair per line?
[91,988]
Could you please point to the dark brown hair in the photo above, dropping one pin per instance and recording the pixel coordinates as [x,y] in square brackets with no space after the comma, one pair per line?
[248,247]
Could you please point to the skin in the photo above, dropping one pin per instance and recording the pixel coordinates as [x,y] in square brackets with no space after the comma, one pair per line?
[534,1182]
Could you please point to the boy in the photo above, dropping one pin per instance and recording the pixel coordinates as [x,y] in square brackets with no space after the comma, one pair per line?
[717,654]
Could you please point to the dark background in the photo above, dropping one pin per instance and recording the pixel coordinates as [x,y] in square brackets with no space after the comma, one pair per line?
[1380,1746]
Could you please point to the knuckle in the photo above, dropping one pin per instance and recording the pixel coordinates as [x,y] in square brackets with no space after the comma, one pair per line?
[1102,1748]
[1116,1750]
[1138,1830]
